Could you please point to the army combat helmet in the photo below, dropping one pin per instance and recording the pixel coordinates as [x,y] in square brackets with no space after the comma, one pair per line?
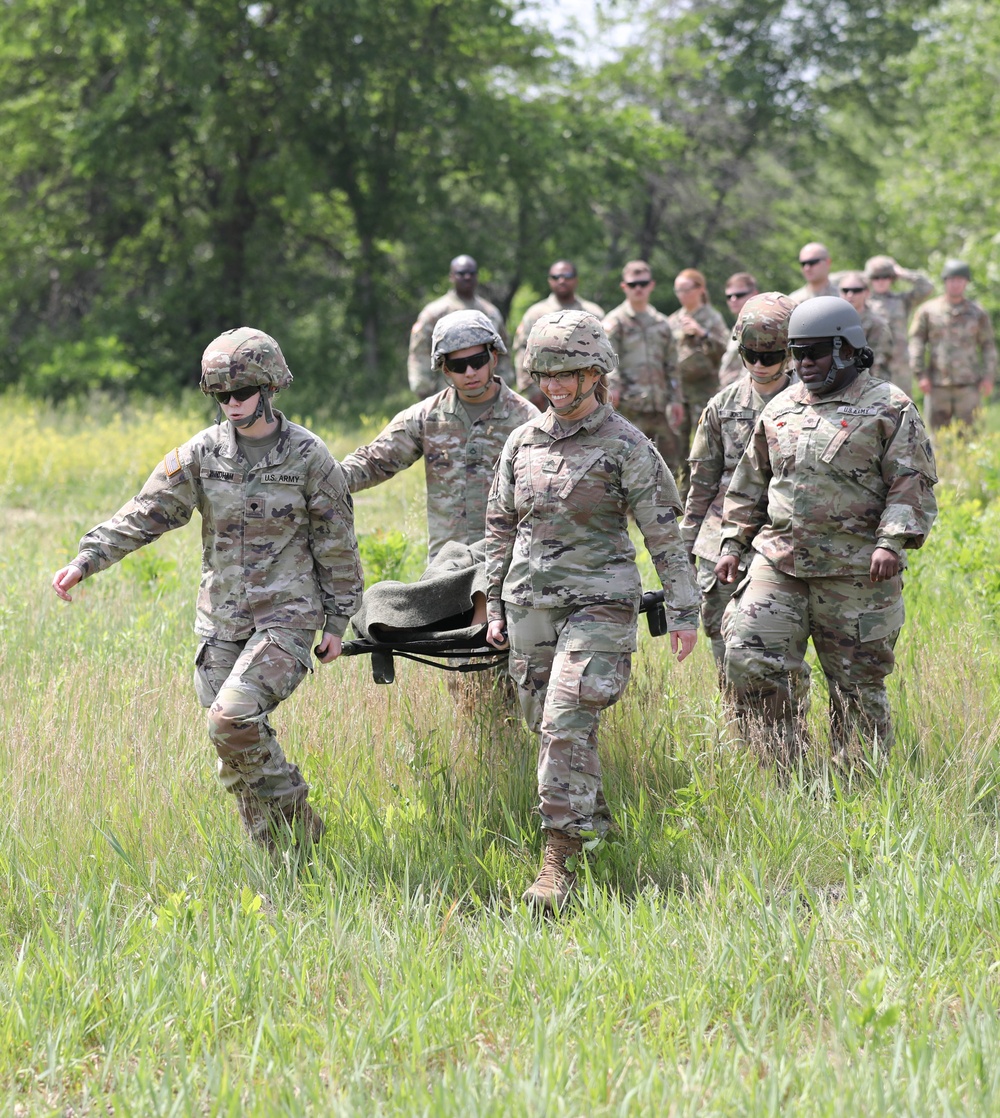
[245,358]
[570,341]
[956,268]
[828,316]
[762,330]
[462,329]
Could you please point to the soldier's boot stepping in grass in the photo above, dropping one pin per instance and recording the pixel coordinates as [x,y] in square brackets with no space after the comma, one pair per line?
[296,823]
[551,889]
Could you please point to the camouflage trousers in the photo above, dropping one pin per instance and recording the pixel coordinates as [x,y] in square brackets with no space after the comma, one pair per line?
[853,622]
[698,390]
[241,682]
[952,404]
[672,447]
[570,664]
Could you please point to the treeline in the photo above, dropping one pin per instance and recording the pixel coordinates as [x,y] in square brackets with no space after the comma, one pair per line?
[170,170]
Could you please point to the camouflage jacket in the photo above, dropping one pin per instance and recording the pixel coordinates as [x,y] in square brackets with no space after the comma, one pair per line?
[646,375]
[801,294]
[557,522]
[896,307]
[698,358]
[278,546]
[827,479]
[531,316]
[458,455]
[953,345]
[423,379]
[731,368]
[723,432]
[878,335]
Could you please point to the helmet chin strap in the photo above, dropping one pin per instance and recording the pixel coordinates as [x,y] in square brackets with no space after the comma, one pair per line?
[758,379]
[837,365]
[263,408]
[580,394]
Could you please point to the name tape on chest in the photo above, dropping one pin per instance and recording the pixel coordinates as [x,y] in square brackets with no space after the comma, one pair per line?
[735,413]
[846,409]
[282,479]
[219,475]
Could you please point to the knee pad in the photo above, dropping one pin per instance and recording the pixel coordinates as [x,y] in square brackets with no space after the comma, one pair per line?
[233,720]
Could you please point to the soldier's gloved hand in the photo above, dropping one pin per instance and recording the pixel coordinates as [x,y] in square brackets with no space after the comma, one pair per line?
[885,564]
[328,648]
[682,642]
[64,580]
[727,568]
[496,634]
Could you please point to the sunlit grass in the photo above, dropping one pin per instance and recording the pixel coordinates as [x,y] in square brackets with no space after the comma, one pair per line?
[742,947]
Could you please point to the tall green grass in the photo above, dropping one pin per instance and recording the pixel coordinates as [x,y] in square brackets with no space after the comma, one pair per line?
[740,947]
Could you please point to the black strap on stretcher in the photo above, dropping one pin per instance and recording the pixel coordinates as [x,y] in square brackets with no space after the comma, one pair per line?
[474,657]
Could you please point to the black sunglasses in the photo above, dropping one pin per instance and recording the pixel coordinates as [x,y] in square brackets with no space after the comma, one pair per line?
[762,356]
[730,295]
[240,394]
[466,272]
[815,260]
[562,275]
[638,283]
[460,364]
[852,290]
[815,351]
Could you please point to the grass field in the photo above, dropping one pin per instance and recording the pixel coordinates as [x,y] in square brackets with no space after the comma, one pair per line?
[741,947]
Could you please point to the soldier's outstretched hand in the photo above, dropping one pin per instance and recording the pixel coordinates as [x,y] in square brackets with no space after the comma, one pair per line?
[328,648]
[64,580]
[682,642]
[885,564]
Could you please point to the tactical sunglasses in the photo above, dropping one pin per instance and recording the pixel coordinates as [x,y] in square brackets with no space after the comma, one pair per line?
[562,378]
[852,290]
[638,283]
[762,356]
[815,351]
[731,295]
[460,364]
[562,275]
[239,394]
[815,260]
[465,272]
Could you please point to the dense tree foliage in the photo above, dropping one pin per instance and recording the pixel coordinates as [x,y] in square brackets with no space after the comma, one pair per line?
[311,166]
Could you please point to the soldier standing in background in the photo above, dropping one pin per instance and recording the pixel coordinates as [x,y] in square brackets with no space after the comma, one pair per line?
[279,561]
[953,352]
[464,276]
[645,387]
[701,336]
[562,579]
[739,288]
[835,484]
[814,260]
[853,287]
[563,282]
[896,307]
[459,432]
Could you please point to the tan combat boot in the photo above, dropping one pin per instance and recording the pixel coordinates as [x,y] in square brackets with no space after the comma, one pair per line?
[265,826]
[551,888]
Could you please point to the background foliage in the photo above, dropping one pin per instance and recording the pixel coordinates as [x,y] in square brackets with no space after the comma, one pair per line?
[310,167]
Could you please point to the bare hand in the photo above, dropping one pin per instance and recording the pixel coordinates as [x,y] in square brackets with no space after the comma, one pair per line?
[675,416]
[496,634]
[614,394]
[727,568]
[329,648]
[925,384]
[985,388]
[682,642]
[885,564]
[64,581]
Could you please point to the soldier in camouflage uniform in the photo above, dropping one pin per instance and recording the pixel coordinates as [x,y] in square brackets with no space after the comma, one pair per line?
[563,282]
[723,433]
[464,276]
[701,336]
[835,484]
[645,386]
[896,307]
[561,574]
[953,352]
[459,432]
[279,561]
[853,286]
[814,260]
[740,287]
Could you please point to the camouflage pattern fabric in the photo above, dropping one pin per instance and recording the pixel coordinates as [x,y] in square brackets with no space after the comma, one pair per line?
[278,546]
[463,330]
[569,664]
[953,345]
[241,683]
[531,316]
[944,405]
[878,335]
[424,380]
[698,362]
[458,454]
[557,525]
[801,294]
[896,307]
[853,623]
[827,479]
[566,340]
[242,358]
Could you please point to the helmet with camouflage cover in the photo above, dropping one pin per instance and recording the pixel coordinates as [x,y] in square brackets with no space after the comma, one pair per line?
[243,358]
[462,329]
[566,342]
[880,267]
[762,326]
[828,316]
[956,268]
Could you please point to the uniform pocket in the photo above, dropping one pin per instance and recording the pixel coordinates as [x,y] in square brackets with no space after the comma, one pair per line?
[212,664]
[881,624]
[272,671]
[517,669]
